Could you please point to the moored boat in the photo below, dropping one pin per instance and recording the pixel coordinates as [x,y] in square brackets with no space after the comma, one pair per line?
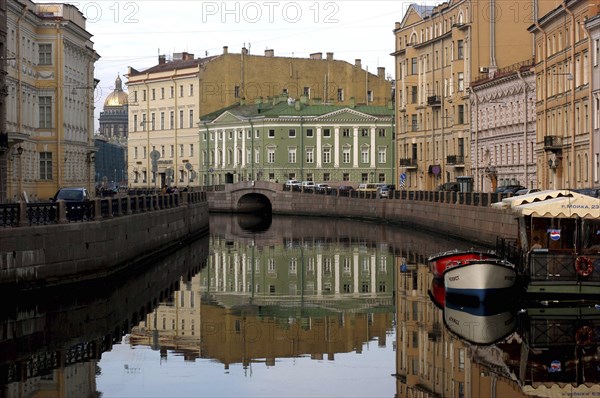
[437,293]
[440,261]
[483,279]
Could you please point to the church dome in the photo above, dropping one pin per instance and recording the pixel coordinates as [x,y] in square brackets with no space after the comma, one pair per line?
[118,97]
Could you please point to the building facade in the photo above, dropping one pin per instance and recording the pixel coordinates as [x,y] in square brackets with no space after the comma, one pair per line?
[563,68]
[49,85]
[281,139]
[503,129]
[167,100]
[593,27]
[438,52]
[113,119]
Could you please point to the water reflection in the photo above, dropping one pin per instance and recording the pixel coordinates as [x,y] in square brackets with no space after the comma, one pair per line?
[508,346]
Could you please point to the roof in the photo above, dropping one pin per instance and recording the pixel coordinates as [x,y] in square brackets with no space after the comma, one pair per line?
[574,206]
[514,201]
[172,65]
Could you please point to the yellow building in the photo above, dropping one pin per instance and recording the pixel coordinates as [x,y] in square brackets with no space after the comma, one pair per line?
[439,50]
[563,71]
[167,100]
[49,109]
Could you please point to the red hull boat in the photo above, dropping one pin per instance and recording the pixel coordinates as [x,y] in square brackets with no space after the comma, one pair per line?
[439,262]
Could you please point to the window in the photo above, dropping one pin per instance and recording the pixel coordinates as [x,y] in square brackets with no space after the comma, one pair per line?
[153,120]
[191,90]
[171,92]
[135,122]
[414,125]
[271,133]
[461,81]
[309,132]
[346,155]
[345,132]
[180,119]
[171,151]
[144,95]
[292,133]
[413,94]
[191,149]
[413,69]
[327,155]
[326,133]
[162,120]
[45,165]
[181,91]
[135,152]
[291,155]
[45,112]
[181,153]
[364,132]
[270,155]
[382,155]
[171,119]
[162,93]
[306,92]
[153,94]
[45,54]
[381,133]
[236,92]
[310,155]
[191,118]
[460,49]
[461,114]
[340,94]
[369,96]
[364,155]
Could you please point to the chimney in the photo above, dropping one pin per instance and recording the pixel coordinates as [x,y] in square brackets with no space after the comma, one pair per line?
[162,59]
[329,56]
[381,72]
[225,50]
[244,51]
[316,56]
[269,53]
[357,63]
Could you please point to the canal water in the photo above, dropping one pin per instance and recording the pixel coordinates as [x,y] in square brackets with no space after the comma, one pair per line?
[293,307]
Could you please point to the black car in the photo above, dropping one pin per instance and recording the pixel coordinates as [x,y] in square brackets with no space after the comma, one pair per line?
[448,186]
[71,195]
[593,192]
[77,200]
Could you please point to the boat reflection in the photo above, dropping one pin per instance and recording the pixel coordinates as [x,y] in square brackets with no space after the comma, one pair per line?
[502,347]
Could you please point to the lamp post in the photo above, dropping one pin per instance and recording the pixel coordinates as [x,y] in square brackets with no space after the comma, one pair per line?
[19,155]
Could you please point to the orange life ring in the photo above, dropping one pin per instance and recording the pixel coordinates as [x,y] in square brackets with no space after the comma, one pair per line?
[584,336]
[584,266]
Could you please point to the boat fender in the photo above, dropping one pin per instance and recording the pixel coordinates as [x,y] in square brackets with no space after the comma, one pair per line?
[584,266]
[584,336]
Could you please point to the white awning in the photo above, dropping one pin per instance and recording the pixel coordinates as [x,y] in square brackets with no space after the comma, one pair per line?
[577,205]
[514,201]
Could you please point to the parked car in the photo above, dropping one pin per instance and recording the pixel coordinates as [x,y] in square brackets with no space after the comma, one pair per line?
[367,187]
[513,188]
[526,191]
[593,192]
[384,192]
[292,183]
[308,184]
[322,188]
[345,189]
[449,186]
[71,195]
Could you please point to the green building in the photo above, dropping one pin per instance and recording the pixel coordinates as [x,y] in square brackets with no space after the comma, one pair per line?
[282,138]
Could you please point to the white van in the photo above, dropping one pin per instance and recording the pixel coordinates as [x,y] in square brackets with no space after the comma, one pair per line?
[367,187]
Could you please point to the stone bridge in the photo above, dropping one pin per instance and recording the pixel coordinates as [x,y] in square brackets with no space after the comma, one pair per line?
[461,215]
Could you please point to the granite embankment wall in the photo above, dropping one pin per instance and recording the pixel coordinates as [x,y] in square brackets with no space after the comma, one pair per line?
[54,254]
[436,212]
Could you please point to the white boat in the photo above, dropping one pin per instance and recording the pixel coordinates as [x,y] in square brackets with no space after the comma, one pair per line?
[480,278]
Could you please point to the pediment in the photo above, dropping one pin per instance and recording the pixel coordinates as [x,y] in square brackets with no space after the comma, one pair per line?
[345,115]
[226,117]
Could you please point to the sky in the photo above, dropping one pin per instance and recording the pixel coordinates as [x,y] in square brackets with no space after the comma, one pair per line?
[134,33]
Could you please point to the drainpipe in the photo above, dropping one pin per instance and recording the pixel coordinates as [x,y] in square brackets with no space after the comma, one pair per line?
[572,182]
[545,92]
[590,99]
[525,90]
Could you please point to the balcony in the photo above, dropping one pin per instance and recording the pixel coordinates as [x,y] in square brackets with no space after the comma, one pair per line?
[455,160]
[409,163]
[434,100]
[553,143]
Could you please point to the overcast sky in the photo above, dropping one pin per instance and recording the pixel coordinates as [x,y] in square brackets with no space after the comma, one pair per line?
[133,33]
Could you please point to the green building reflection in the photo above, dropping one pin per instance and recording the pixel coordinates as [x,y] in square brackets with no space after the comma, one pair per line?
[265,298]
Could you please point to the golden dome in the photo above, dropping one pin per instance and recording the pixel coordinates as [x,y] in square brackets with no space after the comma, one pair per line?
[118,97]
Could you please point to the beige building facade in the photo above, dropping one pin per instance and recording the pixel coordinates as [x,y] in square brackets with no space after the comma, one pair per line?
[49,112]
[563,68]
[503,129]
[166,101]
[439,50]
